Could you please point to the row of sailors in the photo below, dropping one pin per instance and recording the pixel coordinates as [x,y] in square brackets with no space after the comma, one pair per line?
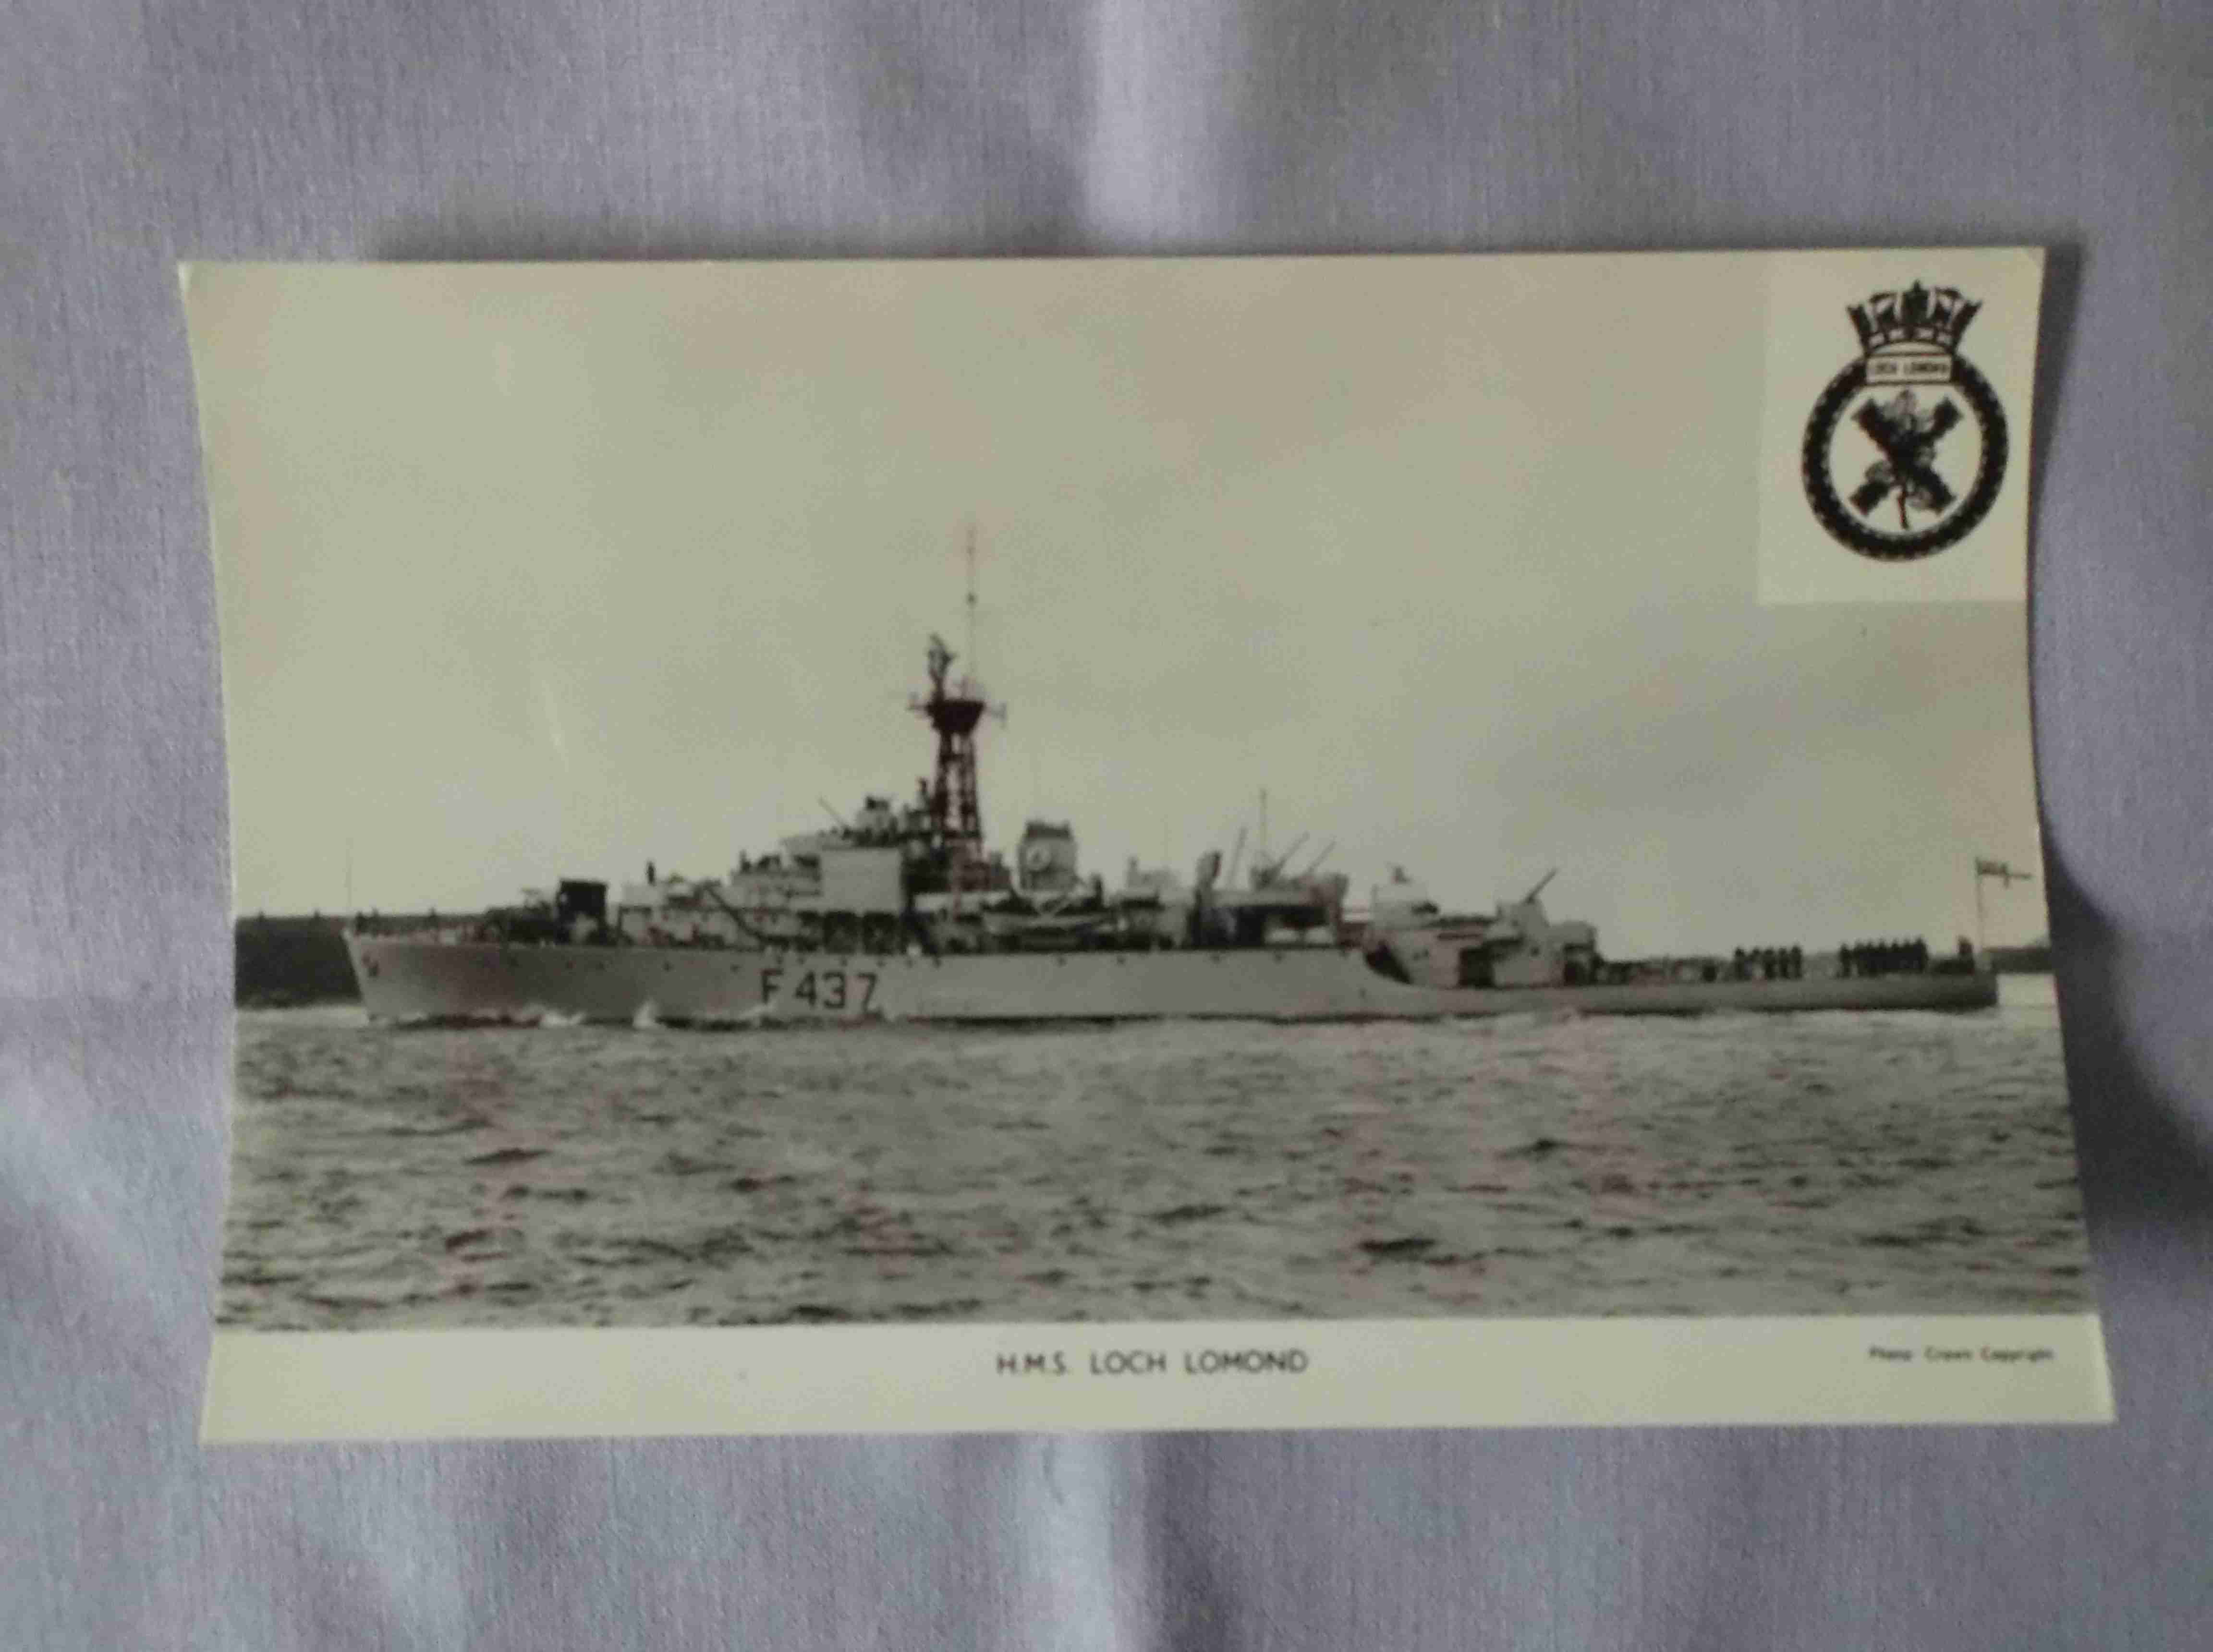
[1767,963]
[1883,958]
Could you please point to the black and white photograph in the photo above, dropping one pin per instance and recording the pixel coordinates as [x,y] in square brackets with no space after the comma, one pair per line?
[1258,806]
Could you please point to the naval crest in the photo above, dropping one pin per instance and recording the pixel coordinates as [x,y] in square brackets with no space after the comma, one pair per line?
[1905,449]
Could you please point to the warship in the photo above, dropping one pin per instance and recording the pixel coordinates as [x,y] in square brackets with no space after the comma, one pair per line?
[901,913]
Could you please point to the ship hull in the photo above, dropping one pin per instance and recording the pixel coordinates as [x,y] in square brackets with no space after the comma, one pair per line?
[411,979]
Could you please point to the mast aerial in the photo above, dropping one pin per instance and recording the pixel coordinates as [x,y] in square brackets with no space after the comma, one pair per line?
[971,639]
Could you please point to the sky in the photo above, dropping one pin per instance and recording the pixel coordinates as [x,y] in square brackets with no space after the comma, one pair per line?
[529,571]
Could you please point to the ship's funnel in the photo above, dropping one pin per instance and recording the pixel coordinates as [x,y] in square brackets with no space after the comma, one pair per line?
[1209,867]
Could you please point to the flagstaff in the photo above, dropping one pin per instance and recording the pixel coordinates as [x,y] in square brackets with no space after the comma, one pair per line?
[1986,867]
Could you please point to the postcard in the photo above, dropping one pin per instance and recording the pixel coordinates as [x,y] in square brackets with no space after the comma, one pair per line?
[1214,843]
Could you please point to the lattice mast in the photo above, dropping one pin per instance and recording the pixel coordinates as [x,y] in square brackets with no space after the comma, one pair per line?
[953,708]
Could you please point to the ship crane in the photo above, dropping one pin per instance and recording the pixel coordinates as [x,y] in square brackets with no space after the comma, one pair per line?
[1270,871]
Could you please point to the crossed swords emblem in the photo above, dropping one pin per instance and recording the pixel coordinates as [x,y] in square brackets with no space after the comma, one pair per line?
[1908,439]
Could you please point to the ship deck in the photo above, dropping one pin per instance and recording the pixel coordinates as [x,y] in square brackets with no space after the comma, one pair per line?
[405,978]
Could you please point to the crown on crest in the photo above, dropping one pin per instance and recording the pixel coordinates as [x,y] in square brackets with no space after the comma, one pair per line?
[1919,315]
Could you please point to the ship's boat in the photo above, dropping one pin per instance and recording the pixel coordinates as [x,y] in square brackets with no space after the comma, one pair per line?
[902,912]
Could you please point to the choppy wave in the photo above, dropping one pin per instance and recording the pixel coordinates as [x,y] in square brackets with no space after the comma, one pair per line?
[1897,1162]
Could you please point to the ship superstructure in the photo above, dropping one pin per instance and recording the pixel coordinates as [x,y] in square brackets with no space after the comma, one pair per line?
[893,878]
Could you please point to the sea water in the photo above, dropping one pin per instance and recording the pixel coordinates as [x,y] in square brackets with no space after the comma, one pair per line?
[1906,1162]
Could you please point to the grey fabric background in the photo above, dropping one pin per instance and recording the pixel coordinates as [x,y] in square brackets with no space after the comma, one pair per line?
[132,134]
